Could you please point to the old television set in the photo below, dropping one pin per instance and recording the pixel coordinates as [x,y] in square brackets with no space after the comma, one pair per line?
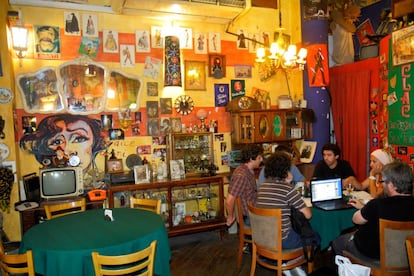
[56,183]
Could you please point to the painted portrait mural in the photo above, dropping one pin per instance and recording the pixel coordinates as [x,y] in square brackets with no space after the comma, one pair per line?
[58,137]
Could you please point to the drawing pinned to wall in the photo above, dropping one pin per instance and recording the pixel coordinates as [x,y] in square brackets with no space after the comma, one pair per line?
[242,42]
[90,25]
[89,46]
[142,37]
[200,40]
[186,38]
[72,26]
[214,43]
[110,38]
[253,45]
[157,37]
[47,42]
[127,55]
[152,67]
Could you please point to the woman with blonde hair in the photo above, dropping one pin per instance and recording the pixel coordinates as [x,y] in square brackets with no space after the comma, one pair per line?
[378,159]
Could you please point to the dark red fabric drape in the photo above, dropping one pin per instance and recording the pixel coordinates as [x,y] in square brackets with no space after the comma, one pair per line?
[350,111]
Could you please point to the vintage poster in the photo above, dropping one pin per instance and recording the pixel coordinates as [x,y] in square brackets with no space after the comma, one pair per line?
[47,42]
[221,94]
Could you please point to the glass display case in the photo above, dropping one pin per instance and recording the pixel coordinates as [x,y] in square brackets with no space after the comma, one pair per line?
[195,149]
[189,205]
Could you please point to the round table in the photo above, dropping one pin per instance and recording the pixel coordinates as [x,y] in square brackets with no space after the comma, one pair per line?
[63,246]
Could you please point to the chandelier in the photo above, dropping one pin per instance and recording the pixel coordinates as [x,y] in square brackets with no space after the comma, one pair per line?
[282,56]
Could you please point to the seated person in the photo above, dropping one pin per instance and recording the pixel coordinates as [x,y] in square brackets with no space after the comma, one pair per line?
[296,174]
[378,159]
[398,186]
[243,182]
[277,192]
[332,166]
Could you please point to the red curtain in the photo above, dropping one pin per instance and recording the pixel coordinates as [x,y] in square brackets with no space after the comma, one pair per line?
[350,111]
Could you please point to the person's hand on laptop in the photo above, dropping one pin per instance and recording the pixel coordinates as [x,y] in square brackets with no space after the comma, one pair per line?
[355,203]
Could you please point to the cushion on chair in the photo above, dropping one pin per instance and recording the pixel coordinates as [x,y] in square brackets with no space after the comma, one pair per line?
[264,226]
[363,260]
[394,242]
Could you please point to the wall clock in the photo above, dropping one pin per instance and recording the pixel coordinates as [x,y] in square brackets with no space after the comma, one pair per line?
[184,105]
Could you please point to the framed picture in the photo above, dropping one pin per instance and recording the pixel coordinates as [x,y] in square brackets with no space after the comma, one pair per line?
[403,53]
[402,7]
[141,174]
[177,169]
[195,75]
[176,125]
[307,151]
[242,71]
[115,166]
[217,66]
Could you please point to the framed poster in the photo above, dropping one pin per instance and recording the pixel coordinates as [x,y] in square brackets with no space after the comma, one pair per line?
[141,174]
[307,151]
[195,75]
[217,66]
[177,169]
[402,51]
[115,166]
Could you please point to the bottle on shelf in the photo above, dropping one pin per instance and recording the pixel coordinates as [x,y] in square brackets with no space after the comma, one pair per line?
[164,168]
[154,168]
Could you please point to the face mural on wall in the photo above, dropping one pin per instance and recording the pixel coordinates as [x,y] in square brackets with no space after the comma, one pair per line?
[74,134]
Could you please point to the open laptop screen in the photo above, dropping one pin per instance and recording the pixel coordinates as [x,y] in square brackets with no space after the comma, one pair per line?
[326,189]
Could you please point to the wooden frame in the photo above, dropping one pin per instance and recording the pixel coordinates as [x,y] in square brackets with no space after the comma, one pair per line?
[402,51]
[195,75]
[141,174]
[216,62]
[176,125]
[307,151]
[401,7]
[115,166]
[242,71]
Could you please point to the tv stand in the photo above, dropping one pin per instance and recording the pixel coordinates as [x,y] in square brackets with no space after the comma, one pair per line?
[31,217]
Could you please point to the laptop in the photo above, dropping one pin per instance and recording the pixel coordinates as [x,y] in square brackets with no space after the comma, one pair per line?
[326,194]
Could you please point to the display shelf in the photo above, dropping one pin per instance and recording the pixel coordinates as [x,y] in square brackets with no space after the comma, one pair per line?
[191,205]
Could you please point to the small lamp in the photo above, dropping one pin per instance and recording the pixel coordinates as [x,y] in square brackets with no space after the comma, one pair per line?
[19,40]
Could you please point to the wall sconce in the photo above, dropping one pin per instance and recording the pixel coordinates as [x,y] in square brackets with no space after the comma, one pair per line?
[19,40]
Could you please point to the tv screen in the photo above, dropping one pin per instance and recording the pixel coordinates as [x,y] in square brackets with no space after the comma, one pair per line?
[61,182]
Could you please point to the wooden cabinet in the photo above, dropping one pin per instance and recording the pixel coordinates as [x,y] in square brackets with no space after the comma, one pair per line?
[268,126]
[188,205]
[195,149]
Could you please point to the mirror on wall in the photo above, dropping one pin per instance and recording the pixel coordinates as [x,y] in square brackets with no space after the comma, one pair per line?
[124,91]
[39,91]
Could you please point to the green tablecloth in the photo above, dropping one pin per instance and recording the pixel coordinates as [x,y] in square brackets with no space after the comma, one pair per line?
[329,224]
[63,246]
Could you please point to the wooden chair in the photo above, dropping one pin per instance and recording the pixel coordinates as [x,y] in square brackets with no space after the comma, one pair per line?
[16,263]
[409,243]
[245,233]
[141,262]
[393,255]
[61,209]
[266,225]
[153,205]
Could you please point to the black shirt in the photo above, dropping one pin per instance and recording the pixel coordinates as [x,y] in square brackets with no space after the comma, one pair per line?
[343,170]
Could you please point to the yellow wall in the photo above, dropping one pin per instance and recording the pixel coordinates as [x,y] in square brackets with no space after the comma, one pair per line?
[252,21]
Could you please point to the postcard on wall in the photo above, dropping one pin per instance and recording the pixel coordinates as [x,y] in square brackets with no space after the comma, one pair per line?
[200,40]
[110,41]
[47,42]
[186,38]
[214,43]
[157,37]
[90,25]
[142,37]
[242,42]
[152,67]
[72,26]
[89,46]
[221,94]
[127,55]
[364,29]
[307,151]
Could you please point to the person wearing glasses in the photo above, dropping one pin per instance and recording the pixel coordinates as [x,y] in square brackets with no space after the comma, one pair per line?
[378,159]
[397,182]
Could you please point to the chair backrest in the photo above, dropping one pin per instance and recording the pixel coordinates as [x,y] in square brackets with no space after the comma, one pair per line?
[61,209]
[266,227]
[153,205]
[245,229]
[393,234]
[409,243]
[16,263]
[141,262]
